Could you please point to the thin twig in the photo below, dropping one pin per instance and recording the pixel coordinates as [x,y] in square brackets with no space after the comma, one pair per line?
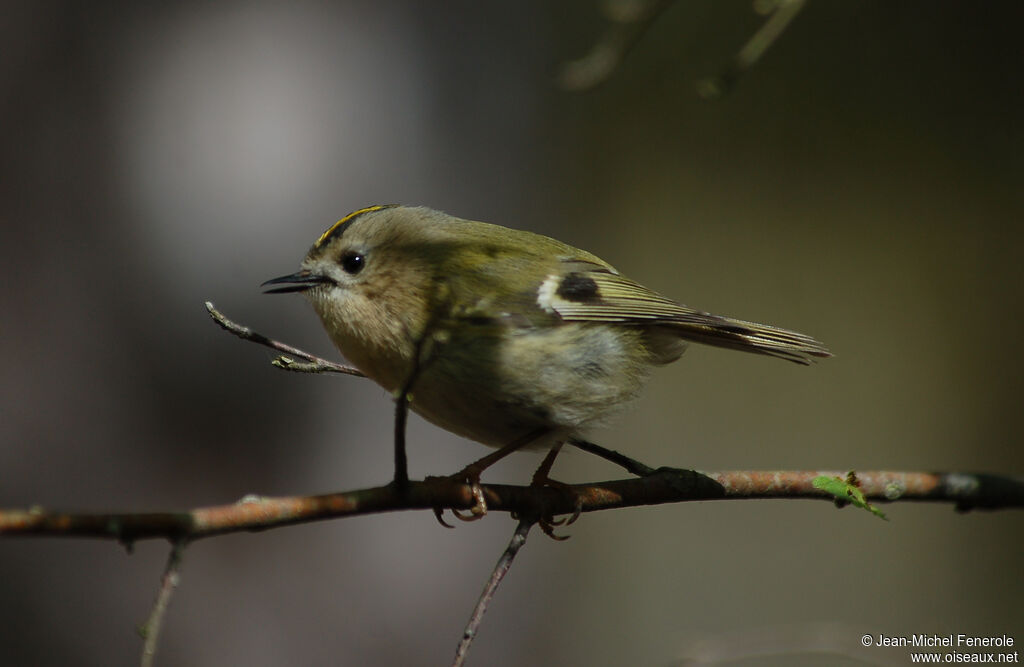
[667,485]
[501,568]
[314,363]
[151,630]
[783,13]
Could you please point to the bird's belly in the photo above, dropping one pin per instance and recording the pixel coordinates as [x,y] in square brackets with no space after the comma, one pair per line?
[553,382]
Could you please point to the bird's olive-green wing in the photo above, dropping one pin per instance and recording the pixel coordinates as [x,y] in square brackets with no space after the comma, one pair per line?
[597,294]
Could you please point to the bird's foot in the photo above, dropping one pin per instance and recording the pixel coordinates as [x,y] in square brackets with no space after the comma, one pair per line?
[469,475]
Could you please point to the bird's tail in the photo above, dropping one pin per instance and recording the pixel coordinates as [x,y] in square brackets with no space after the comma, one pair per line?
[751,337]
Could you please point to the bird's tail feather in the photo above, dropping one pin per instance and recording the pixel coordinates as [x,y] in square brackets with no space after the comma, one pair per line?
[751,337]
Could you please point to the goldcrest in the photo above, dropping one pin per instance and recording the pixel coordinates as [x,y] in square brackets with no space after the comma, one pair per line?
[509,338]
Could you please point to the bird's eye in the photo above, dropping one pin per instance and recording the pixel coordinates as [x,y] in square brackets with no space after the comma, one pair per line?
[352,262]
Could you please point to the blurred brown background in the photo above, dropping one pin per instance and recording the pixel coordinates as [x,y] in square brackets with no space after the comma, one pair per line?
[862,184]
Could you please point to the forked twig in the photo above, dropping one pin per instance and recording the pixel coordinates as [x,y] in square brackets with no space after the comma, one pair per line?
[314,364]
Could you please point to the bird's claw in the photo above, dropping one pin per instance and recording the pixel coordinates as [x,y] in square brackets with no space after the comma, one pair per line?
[471,476]
[548,523]
[439,515]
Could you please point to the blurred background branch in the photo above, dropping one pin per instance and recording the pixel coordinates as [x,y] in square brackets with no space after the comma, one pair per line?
[628,20]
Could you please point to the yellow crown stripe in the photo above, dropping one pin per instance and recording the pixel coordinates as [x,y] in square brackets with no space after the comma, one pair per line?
[348,218]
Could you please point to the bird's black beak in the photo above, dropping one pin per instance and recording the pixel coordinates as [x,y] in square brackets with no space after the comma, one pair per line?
[296,282]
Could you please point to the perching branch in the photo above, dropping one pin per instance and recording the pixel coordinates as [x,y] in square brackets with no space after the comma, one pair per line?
[666,485]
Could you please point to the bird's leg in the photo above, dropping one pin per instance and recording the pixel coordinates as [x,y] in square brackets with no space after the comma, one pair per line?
[631,465]
[424,352]
[676,476]
[402,398]
[471,474]
[401,479]
[541,478]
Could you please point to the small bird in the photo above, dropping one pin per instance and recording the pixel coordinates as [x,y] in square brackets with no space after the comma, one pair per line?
[509,338]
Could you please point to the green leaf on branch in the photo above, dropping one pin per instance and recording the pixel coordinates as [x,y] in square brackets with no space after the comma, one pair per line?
[847,491]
